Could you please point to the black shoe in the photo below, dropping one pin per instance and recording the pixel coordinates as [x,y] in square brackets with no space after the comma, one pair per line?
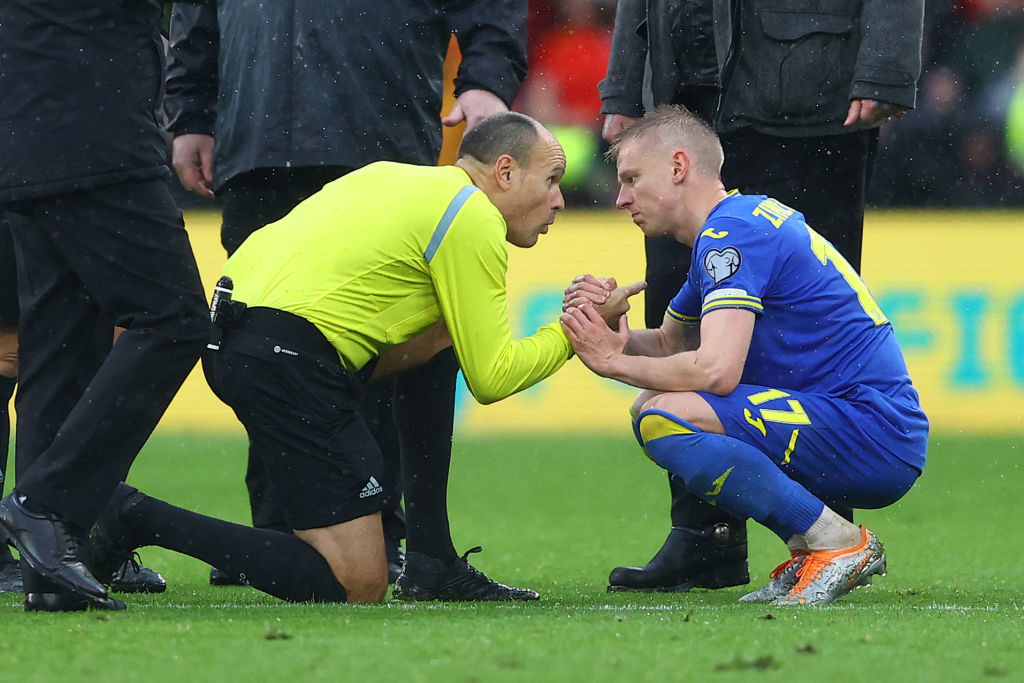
[112,553]
[132,577]
[69,602]
[219,577]
[10,577]
[713,557]
[47,546]
[396,558]
[428,578]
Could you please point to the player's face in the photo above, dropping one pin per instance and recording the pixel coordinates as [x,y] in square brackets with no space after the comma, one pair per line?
[646,187]
[535,197]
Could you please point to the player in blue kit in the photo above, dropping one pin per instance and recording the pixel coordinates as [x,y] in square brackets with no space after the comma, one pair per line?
[775,387]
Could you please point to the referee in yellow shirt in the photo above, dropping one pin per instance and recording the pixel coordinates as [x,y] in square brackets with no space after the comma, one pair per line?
[375,273]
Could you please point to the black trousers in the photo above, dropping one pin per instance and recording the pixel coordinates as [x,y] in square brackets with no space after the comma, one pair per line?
[825,178]
[8,278]
[8,323]
[89,260]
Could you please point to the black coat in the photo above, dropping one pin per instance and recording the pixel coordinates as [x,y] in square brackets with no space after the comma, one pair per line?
[323,82]
[791,67]
[80,88]
[786,67]
[661,51]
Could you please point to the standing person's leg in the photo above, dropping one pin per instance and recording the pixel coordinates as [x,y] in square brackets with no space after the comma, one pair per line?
[706,547]
[10,570]
[8,349]
[424,409]
[124,249]
[379,412]
[425,413]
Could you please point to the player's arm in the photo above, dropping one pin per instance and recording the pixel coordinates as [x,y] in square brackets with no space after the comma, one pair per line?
[671,338]
[715,366]
[468,270]
[679,331]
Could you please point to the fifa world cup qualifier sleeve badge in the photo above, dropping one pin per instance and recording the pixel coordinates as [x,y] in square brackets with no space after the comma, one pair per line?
[721,264]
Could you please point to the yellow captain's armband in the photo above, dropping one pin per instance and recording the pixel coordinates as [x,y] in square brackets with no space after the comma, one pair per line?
[681,318]
[710,232]
[826,253]
[775,211]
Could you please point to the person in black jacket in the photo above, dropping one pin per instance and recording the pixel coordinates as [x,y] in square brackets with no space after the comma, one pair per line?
[797,104]
[269,105]
[98,243]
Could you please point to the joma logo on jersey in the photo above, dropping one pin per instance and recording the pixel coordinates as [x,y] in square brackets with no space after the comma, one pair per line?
[722,264]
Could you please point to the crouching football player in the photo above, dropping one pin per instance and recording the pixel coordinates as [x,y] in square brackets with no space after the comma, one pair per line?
[775,388]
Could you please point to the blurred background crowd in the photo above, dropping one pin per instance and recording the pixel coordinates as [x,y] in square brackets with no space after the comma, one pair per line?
[963,146]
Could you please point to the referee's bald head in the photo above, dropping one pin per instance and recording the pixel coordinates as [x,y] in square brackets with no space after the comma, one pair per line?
[508,133]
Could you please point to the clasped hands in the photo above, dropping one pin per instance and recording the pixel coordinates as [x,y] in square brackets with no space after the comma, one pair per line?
[594,317]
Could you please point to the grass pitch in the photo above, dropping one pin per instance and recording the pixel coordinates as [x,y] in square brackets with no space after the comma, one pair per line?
[556,514]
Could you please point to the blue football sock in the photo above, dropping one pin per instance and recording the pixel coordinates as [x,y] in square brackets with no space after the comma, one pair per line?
[728,473]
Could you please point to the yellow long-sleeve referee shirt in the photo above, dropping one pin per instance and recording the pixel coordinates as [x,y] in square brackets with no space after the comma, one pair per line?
[378,256]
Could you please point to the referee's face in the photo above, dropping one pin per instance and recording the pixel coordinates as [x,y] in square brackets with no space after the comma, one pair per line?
[535,196]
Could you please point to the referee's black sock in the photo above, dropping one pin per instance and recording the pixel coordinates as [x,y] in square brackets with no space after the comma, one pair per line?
[277,563]
[425,413]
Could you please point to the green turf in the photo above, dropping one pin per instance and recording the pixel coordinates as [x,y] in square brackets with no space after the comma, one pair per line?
[556,514]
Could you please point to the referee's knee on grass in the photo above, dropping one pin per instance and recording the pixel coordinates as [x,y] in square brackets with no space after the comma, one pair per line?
[366,585]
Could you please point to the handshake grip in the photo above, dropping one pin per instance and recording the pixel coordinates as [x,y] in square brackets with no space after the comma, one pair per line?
[609,300]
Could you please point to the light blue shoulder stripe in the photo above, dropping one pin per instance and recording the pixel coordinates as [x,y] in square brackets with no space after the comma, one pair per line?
[446,220]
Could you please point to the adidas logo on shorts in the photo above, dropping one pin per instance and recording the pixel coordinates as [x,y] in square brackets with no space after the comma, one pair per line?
[372,488]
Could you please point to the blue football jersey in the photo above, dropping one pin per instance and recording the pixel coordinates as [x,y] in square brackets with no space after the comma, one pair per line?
[818,329]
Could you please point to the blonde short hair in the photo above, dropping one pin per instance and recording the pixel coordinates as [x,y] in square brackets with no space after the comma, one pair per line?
[673,124]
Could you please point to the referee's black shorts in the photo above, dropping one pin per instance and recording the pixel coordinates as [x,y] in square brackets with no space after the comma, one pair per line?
[300,407]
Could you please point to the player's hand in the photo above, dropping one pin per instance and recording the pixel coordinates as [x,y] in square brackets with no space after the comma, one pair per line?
[613,126]
[872,111]
[473,106]
[593,341]
[617,304]
[192,155]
